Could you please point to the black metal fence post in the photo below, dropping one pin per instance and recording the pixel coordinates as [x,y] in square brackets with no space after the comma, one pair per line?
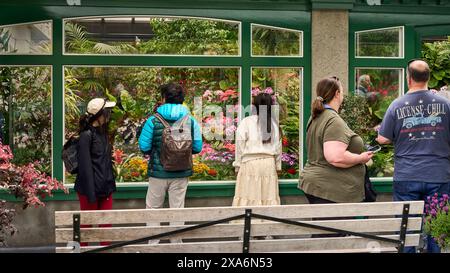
[403,228]
[247,231]
[76,227]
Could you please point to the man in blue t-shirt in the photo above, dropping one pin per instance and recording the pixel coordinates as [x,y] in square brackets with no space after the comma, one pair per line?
[418,124]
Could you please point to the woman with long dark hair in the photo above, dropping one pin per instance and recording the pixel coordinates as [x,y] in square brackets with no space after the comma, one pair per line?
[258,156]
[95,180]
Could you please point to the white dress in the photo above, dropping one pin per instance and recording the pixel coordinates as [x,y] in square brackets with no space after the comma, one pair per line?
[257,179]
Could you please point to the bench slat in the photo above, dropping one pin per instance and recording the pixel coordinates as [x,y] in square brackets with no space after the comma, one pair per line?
[363,250]
[292,245]
[214,213]
[236,230]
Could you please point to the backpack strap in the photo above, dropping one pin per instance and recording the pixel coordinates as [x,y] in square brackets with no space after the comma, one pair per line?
[163,121]
[166,124]
[184,120]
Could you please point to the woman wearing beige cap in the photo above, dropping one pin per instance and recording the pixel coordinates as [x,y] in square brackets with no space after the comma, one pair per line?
[95,180]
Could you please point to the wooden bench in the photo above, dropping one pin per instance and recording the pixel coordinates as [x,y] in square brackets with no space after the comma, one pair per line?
[377,219]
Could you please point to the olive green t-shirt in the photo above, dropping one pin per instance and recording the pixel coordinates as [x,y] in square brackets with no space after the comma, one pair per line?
[321,179]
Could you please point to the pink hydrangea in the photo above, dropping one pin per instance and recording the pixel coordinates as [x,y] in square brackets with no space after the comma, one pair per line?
[268,90]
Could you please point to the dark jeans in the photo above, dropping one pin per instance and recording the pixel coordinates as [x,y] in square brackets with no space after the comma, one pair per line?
[417,191]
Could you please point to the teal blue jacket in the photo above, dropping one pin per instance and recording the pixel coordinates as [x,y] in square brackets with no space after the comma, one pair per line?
[150,139]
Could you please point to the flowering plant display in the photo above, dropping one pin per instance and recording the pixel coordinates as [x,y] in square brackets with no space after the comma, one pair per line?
[136,92]
[24,182]
[437,219]
[129,168]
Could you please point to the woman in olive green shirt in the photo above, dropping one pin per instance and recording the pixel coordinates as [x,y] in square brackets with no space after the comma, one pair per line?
[334,172]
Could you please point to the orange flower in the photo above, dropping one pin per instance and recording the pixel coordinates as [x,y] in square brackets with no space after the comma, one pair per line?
[212,172]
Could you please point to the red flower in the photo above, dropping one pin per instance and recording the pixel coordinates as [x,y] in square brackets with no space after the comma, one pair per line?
[117,155]
[135,174]
[231,147]
[292,171]
[212,172]
[285,141]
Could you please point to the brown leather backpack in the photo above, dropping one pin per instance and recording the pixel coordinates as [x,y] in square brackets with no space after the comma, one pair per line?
[176,145]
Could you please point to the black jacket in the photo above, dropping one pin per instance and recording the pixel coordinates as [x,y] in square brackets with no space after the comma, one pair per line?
[95,176]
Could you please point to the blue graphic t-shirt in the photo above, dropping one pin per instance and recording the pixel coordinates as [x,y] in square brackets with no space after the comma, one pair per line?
[418,125]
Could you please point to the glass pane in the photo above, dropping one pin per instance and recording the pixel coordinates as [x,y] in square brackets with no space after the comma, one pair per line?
[26,39]
[151,35]
[137,88]
[380,43]
[375,90]
[268,41]
[285,85]
[26,124]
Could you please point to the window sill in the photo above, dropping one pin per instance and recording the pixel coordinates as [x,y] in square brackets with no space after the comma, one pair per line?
[196,189]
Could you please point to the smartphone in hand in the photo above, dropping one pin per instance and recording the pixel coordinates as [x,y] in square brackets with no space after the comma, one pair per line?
[374,149]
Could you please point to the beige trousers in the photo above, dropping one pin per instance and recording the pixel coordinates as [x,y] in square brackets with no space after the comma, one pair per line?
[156,194]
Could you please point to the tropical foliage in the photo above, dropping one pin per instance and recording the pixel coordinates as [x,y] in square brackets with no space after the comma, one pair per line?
[362,117]
[275,42]
[437,55]
[27,122]
[180,36]
[381,43]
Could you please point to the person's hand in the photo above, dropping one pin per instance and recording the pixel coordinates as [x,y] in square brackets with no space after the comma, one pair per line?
[369,163]
[377,128]
[365,157]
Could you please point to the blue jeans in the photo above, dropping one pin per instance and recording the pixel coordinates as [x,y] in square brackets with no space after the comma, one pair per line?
[417,191]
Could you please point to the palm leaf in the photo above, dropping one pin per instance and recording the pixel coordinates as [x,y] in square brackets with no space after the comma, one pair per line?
[102,48]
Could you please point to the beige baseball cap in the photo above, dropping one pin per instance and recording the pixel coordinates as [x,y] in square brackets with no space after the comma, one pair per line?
[97,104]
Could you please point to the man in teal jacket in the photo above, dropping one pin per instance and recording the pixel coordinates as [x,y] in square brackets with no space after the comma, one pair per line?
[161,181]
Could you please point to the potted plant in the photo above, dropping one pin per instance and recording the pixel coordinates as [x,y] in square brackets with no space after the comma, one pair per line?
[437,223]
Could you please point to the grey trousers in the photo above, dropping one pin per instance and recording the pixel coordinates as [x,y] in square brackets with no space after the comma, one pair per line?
[156,194]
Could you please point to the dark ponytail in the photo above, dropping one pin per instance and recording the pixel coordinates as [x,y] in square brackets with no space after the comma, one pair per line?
[264,100]
[84,123]
[86,120]
[325,90]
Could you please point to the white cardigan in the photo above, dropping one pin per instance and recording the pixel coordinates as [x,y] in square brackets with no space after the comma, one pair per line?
[249,142]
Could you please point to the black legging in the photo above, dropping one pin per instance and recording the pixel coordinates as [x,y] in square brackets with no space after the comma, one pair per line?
[317,200]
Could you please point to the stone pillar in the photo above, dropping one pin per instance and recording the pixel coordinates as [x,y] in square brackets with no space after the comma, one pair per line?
[329,31]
